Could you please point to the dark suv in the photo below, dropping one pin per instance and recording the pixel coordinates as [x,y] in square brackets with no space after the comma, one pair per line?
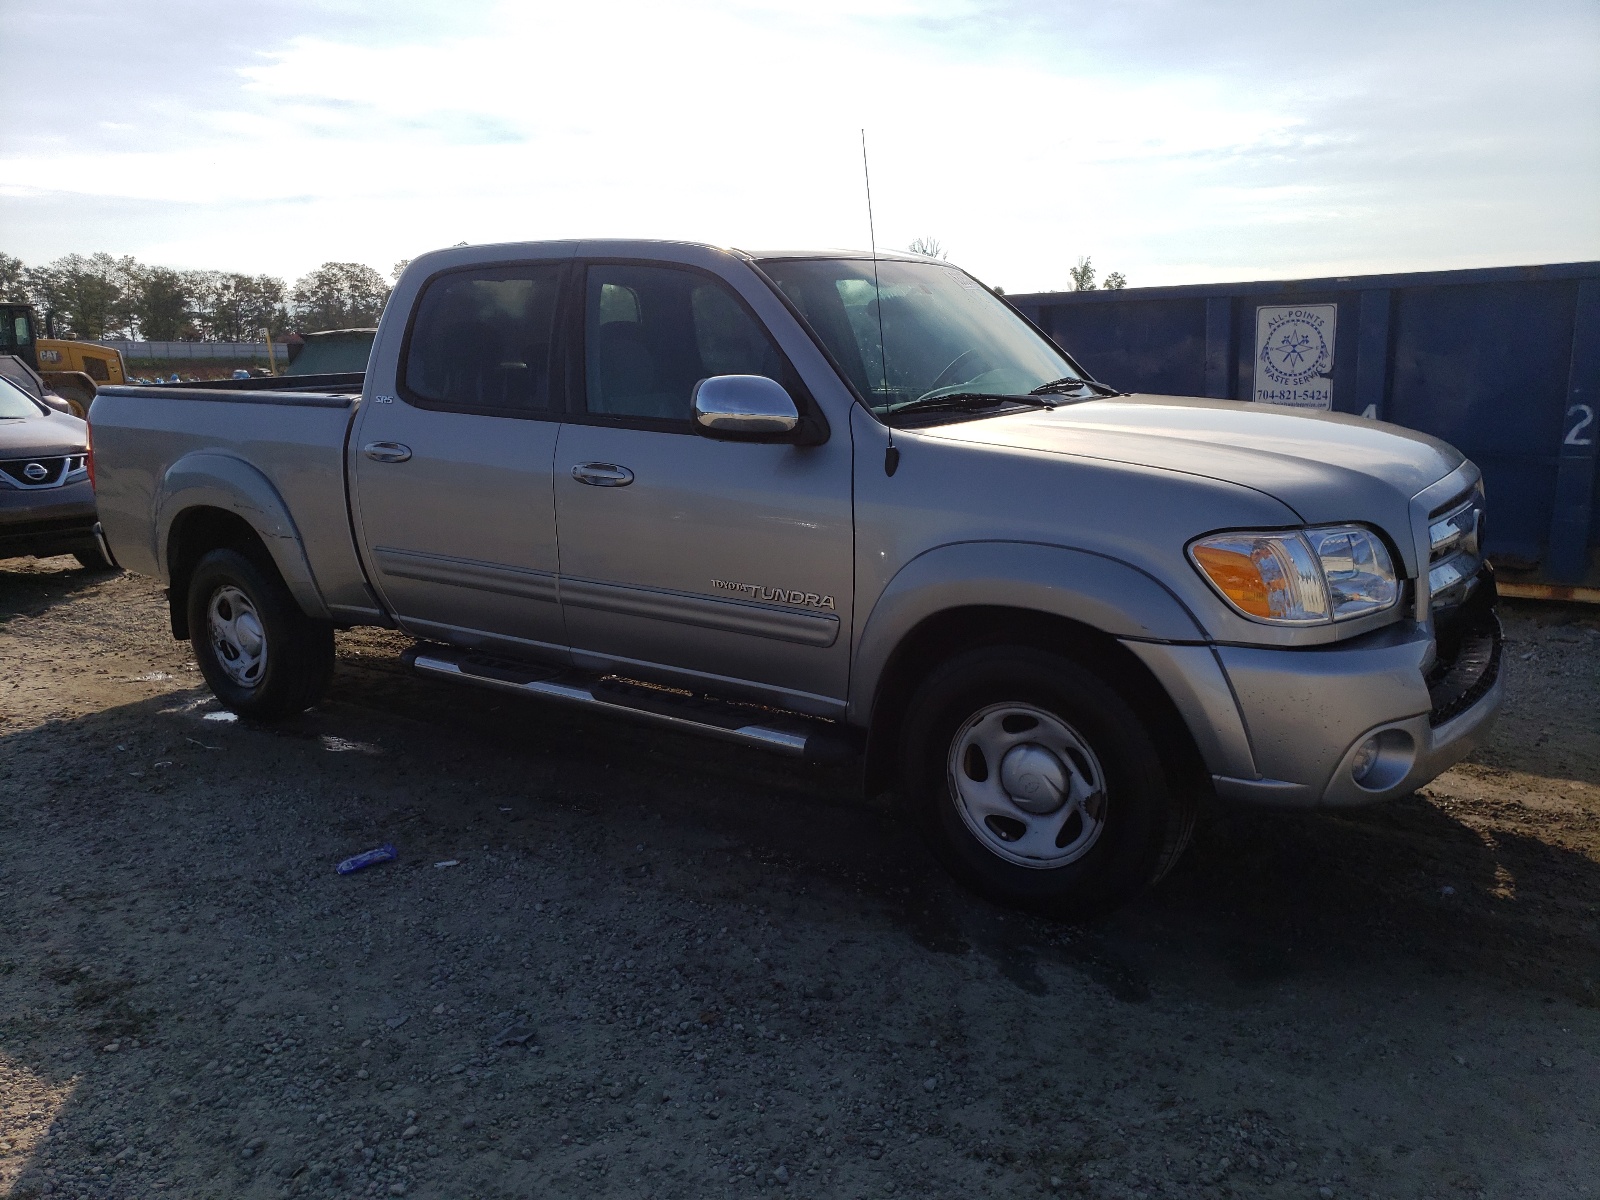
[46,497]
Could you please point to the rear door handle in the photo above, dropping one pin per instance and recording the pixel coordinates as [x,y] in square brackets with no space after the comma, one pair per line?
[386,451]
[602,474]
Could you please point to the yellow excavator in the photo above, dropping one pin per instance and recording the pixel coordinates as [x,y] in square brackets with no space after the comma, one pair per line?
[70,369]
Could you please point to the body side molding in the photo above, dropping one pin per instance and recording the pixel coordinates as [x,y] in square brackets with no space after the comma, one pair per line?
[467,572]
[729,616]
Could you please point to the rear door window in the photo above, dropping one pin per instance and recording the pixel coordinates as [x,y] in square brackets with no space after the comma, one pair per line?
[482,341]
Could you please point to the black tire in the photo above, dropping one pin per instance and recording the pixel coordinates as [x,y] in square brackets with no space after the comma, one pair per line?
[1124,836]
[93,560]
[295,656]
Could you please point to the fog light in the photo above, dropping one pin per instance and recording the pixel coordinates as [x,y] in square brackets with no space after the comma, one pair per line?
[1366,758]
[1380,762]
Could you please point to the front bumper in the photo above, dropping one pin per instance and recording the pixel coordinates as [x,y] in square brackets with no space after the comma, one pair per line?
[47,521]
[1429,703]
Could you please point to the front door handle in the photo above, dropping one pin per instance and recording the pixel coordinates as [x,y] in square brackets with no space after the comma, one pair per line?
[386,451]
[602,474]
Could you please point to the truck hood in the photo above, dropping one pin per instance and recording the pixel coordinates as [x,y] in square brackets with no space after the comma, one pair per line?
[1327,467]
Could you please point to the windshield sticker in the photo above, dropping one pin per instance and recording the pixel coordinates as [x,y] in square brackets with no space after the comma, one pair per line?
[962,279]
[1294,355]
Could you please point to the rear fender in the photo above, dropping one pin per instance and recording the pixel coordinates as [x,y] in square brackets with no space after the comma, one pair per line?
[207,479]
[1103,593]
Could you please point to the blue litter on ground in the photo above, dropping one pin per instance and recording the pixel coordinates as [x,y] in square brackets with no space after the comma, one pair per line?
[382,854]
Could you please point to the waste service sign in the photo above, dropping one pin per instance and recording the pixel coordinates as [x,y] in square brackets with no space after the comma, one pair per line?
[1294,355]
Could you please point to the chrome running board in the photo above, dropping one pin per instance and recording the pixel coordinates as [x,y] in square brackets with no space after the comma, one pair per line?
[768,729]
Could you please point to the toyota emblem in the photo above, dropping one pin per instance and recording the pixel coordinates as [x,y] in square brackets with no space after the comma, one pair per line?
[36,471]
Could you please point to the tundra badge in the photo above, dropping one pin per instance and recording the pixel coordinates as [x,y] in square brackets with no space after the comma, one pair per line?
[779,595]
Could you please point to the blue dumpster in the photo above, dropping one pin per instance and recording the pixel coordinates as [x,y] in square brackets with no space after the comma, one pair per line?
[1502,363]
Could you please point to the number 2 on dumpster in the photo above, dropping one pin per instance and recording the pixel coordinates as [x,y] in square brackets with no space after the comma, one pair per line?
[1575,435]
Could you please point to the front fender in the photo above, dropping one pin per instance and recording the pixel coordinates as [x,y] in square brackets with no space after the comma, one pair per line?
[1103,593]
[207,479]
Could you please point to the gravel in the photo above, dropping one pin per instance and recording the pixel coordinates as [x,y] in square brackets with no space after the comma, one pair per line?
[667,968]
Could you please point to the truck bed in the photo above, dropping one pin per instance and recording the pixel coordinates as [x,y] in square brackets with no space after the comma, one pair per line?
[289,444]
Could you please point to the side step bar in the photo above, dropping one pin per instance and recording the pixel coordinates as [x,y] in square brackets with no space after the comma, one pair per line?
[787,733]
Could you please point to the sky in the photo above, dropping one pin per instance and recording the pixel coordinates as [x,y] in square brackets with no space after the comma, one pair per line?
[1174,141]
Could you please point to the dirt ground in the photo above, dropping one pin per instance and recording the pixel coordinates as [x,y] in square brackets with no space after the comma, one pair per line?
[662,967]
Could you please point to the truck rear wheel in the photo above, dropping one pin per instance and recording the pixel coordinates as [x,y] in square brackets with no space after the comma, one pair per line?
[261,656]
[1037,783]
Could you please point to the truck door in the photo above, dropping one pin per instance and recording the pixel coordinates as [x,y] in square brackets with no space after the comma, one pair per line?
[718,565]
[452,473]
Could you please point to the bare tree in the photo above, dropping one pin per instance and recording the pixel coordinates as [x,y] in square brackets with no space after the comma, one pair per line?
[928,247]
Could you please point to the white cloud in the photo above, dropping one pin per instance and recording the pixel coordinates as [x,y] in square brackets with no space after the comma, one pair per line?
[1019,140]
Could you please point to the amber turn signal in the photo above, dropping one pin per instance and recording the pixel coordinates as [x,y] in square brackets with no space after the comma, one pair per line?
[1237,577]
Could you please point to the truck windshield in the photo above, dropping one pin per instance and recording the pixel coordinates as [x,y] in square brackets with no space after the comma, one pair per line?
[942,332]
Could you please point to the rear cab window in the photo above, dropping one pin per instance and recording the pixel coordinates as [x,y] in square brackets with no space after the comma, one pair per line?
[483,340]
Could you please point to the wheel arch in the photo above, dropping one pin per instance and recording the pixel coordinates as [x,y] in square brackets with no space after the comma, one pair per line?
[210,501]
[1066,601]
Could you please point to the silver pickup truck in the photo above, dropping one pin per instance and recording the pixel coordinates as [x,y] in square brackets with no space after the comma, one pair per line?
[834,505]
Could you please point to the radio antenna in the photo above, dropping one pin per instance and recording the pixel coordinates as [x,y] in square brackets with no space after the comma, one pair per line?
[891,455]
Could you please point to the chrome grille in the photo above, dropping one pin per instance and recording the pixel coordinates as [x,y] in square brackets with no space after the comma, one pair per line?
[1455,532]
[46,472]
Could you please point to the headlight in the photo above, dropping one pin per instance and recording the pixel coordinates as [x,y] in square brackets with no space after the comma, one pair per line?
[1357,567]
[1304,577]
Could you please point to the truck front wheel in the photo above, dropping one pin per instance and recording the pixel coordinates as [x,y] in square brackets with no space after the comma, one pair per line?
[261,656]
[1037,783]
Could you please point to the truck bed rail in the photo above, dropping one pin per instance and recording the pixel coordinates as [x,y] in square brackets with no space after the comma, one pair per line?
[321,397]
[340,381]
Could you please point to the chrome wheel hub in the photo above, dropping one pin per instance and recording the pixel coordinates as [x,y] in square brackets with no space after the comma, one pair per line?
[237,636]
[1027,785]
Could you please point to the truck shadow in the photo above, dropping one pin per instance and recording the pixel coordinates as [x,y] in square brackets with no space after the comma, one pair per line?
[1260,898]
[1267,898]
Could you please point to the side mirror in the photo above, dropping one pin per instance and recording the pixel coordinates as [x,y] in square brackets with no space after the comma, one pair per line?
[743,407]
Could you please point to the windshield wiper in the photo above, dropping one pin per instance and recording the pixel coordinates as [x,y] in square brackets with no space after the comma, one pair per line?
[1071,383]
[966,402]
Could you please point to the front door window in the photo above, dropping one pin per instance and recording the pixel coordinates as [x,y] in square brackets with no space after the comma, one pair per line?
[652,333]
